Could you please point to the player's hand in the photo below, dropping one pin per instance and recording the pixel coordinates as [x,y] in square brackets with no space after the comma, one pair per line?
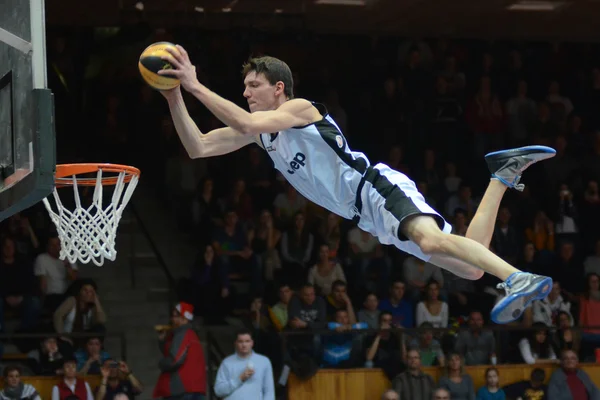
[182,67]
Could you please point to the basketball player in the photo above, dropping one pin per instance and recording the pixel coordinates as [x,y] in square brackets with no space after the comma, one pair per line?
[308,148]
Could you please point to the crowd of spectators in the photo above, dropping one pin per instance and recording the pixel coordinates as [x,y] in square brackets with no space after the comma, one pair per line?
[430,109]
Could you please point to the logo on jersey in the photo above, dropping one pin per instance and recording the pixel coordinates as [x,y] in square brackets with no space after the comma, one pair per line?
[297,162]
[340,141]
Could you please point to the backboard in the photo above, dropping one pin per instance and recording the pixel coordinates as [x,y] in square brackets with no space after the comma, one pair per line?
[27,149]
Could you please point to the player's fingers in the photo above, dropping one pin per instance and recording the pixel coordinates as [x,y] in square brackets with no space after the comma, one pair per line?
[170,72]
[183,52]
[173,61]
[175,54]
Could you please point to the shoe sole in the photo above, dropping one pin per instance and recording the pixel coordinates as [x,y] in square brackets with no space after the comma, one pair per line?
[543,289]
[522,151]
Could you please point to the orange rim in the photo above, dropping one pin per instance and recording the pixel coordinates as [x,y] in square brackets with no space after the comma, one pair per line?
[65,172]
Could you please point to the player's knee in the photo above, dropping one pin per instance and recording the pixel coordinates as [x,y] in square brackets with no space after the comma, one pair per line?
[475,274]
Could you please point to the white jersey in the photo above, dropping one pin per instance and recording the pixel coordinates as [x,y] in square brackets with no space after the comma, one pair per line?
[316,160]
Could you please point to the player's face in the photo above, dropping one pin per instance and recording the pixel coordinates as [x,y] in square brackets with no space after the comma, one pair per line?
[259,93]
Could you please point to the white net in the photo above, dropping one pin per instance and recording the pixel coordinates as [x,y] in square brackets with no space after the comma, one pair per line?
[87,234]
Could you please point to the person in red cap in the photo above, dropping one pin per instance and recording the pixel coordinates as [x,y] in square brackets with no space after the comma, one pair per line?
[183,369]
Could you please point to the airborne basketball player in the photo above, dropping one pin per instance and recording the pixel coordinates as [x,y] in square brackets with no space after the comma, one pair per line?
[309,149]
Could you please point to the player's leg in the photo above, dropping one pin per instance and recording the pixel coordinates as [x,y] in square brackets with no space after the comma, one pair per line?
[460,255]
[481,228]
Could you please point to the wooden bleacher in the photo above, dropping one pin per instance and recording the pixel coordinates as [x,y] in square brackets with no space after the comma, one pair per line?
[359,384]
[44,384]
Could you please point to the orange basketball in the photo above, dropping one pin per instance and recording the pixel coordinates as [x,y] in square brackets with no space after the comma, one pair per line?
[150,63]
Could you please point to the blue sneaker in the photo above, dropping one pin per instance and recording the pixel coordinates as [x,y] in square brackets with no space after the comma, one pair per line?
[522,288]
[508,165]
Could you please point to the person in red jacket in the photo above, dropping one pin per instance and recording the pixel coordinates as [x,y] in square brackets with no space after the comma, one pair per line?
[183,369]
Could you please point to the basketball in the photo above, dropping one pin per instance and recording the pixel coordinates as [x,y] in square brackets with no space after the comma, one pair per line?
[150,63]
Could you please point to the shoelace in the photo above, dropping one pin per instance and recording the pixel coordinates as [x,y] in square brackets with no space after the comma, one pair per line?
[518,186]
[504,286]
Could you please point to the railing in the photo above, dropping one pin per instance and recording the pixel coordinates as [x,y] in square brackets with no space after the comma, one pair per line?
[214,357]
[354,381]
[120,335]
[161,261]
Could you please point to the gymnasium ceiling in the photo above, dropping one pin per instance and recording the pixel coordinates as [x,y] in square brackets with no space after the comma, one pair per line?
[568,19]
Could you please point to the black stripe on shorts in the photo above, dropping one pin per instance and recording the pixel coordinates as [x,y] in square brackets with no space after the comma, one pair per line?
[396,201]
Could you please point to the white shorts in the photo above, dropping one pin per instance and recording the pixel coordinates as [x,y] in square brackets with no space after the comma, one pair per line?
[388,197]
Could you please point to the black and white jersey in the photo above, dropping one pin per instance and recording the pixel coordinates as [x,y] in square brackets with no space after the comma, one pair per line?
[316,160]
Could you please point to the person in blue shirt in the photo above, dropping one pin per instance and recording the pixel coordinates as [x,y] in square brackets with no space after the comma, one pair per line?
[245,374]
[338,348]
[491,390]
[402,310]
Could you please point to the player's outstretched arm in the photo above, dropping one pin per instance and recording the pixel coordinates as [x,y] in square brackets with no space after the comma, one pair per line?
[292,113]
[198,145]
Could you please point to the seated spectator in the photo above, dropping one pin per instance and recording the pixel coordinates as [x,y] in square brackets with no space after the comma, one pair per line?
[541,233]
[287,205]
[386,349]
[428,347]
[491,390]
[296,249]
[17,286]
[206,213]
[530,261]
[414,384]
[451,180]
[537,349]
[546,310]
[565,337]
[401,310]
[55,275]
[279,312]
[417,273]
[477,345]
[462,200]
[506,240]
[71,388]
[460,223]
[329,234]
[21,231]
[456,381]
[390,395]
[433,310]
[235,255]
[209,287]
[369,313]
[14,389]
[325,272]
[365,252]
[238,201]
[589,315]
[306,312]
[259,322]
[441,394]
[117,378]
[265,243]
[339,300]
[338,350]
[53,353]
[80,313]
[533,389]
[591,265]
[570,382]
[92,357]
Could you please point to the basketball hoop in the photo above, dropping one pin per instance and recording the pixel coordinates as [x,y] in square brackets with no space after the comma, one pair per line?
[88,233]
